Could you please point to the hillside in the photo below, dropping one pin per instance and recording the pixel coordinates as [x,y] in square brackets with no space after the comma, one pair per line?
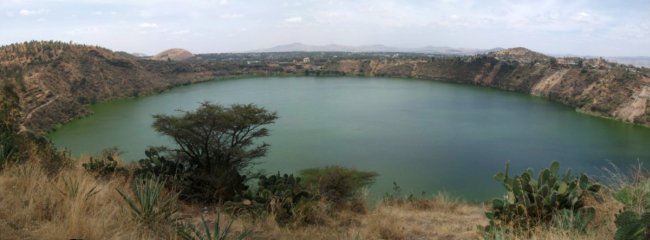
[174,54]
[520,54]
[57,81]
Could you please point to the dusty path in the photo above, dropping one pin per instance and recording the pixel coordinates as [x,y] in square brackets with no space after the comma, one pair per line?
[28,116]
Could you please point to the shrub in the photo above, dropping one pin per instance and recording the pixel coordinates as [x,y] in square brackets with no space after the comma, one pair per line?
[150,204]
[7,147]
[531,201]
[191,232]
[336,184]
[632,226]
[17,147]
[10,137]
[633,190]
[52,159]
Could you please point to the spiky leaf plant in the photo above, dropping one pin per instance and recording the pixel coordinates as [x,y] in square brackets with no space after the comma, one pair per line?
[150,203]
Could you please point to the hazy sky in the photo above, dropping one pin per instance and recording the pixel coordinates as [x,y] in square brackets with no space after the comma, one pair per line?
[602,28]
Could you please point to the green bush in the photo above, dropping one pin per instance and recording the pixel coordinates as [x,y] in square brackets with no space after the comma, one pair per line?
[7,146]
[532,201]
[632,226]
[633,190]
[635,194]
[54,160]
[336,184]
[10,138]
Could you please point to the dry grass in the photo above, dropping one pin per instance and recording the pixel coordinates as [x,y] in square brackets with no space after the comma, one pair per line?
[74,204]
[437,218]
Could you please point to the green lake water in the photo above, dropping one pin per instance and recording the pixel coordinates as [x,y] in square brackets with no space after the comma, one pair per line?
[427,136]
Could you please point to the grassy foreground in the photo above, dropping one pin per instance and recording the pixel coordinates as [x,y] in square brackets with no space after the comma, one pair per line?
[75,204]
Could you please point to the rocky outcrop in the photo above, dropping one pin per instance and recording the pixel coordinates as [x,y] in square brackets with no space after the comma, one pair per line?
[636,107]
[590,85]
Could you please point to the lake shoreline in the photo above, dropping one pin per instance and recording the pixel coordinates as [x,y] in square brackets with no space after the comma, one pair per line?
[302,74]
[359,112]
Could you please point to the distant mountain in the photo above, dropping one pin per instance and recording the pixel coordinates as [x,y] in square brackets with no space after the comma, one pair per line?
[299,47]
[174,54]
[453,51]
[636,61]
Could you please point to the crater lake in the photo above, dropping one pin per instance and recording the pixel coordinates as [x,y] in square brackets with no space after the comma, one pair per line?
[426,136]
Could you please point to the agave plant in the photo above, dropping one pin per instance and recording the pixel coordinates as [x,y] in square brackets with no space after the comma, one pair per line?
[149,203]
[217,232]
[72,188]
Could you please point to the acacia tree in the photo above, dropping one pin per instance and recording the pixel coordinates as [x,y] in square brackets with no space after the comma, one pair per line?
[218,142]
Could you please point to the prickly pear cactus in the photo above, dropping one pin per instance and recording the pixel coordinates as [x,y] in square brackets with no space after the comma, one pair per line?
[531,200]
[157,164]
[281,193]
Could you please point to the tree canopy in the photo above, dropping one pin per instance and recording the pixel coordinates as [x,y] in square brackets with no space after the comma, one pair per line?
[219,143]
